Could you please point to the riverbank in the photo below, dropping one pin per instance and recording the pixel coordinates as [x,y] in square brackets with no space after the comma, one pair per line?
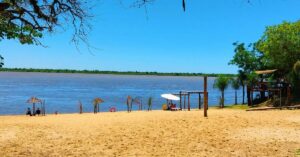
[111,72]
[226,132]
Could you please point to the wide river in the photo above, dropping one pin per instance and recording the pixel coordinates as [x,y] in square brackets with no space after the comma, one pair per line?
[62,92]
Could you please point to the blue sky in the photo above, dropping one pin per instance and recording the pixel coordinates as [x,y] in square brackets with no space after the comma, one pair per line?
[166,39]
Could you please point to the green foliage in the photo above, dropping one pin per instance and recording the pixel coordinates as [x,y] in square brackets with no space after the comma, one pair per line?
[27,21]
[252,79]
[1,61]
[280,46]
[222,83]
[112,72]
[296,68]
[242,77]
[298,152]
[295,79]
[25,34]
[244,58]
[235,83]
[241,107]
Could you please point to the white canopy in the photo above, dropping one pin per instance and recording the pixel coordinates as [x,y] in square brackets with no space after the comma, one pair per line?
[170,97]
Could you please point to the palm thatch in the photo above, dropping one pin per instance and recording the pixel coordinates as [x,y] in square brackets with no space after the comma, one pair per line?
[33,100]
[96,103]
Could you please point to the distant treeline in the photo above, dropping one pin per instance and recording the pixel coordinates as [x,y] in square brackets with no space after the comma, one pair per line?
[110,72]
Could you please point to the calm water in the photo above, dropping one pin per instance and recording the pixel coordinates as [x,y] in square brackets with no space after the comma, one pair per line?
[62,91]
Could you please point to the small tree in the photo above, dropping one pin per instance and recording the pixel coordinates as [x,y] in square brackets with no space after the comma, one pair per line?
[222,83]
[248,59]
[252,79]
[242,78]
[235,84]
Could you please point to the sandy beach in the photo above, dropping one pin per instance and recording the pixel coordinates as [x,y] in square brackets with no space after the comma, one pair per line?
[225,132]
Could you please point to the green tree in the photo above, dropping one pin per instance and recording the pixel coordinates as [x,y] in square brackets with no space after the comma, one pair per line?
[296,68]
[244,58]
[242,78]
[280,45]
[221,83]
[1,61]
[235,84]
[27,21]
[295,79]
[252,79]
[247,59]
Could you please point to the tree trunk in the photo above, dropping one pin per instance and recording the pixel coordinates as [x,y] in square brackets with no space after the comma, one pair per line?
[33,109]
[243,94]
[248,95]
[223,100]
[235,97]
[262,87]
[95,109]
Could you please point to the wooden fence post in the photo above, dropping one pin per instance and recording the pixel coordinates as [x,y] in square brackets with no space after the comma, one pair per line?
[205,97]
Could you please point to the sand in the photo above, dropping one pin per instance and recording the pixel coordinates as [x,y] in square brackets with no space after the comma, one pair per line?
[224,133]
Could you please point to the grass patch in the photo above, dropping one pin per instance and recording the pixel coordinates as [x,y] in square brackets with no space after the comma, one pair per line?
[240,107]
[297,153]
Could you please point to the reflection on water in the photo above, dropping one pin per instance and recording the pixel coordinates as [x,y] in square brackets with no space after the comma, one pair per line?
[62,91]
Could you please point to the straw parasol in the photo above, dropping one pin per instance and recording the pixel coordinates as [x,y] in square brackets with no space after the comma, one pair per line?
[96,102]
[260,72]
[33,100]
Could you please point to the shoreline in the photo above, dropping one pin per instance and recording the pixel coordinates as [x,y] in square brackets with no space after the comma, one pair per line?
[131,73]
[226,132]
[231,107]
[102,112]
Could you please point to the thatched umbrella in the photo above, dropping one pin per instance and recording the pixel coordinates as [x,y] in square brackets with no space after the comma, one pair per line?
[96,103]
[33,100]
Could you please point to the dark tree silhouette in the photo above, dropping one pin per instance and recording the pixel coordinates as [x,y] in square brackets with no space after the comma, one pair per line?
[29,20]
[1,61]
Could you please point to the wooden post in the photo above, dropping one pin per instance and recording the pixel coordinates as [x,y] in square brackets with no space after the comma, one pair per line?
[280,98]
[184,101]
[248,95]
[251,97]
[205,96]
[44,106]
[189,103]
[288,95]
[180,100]
[199,101]
[33,109]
